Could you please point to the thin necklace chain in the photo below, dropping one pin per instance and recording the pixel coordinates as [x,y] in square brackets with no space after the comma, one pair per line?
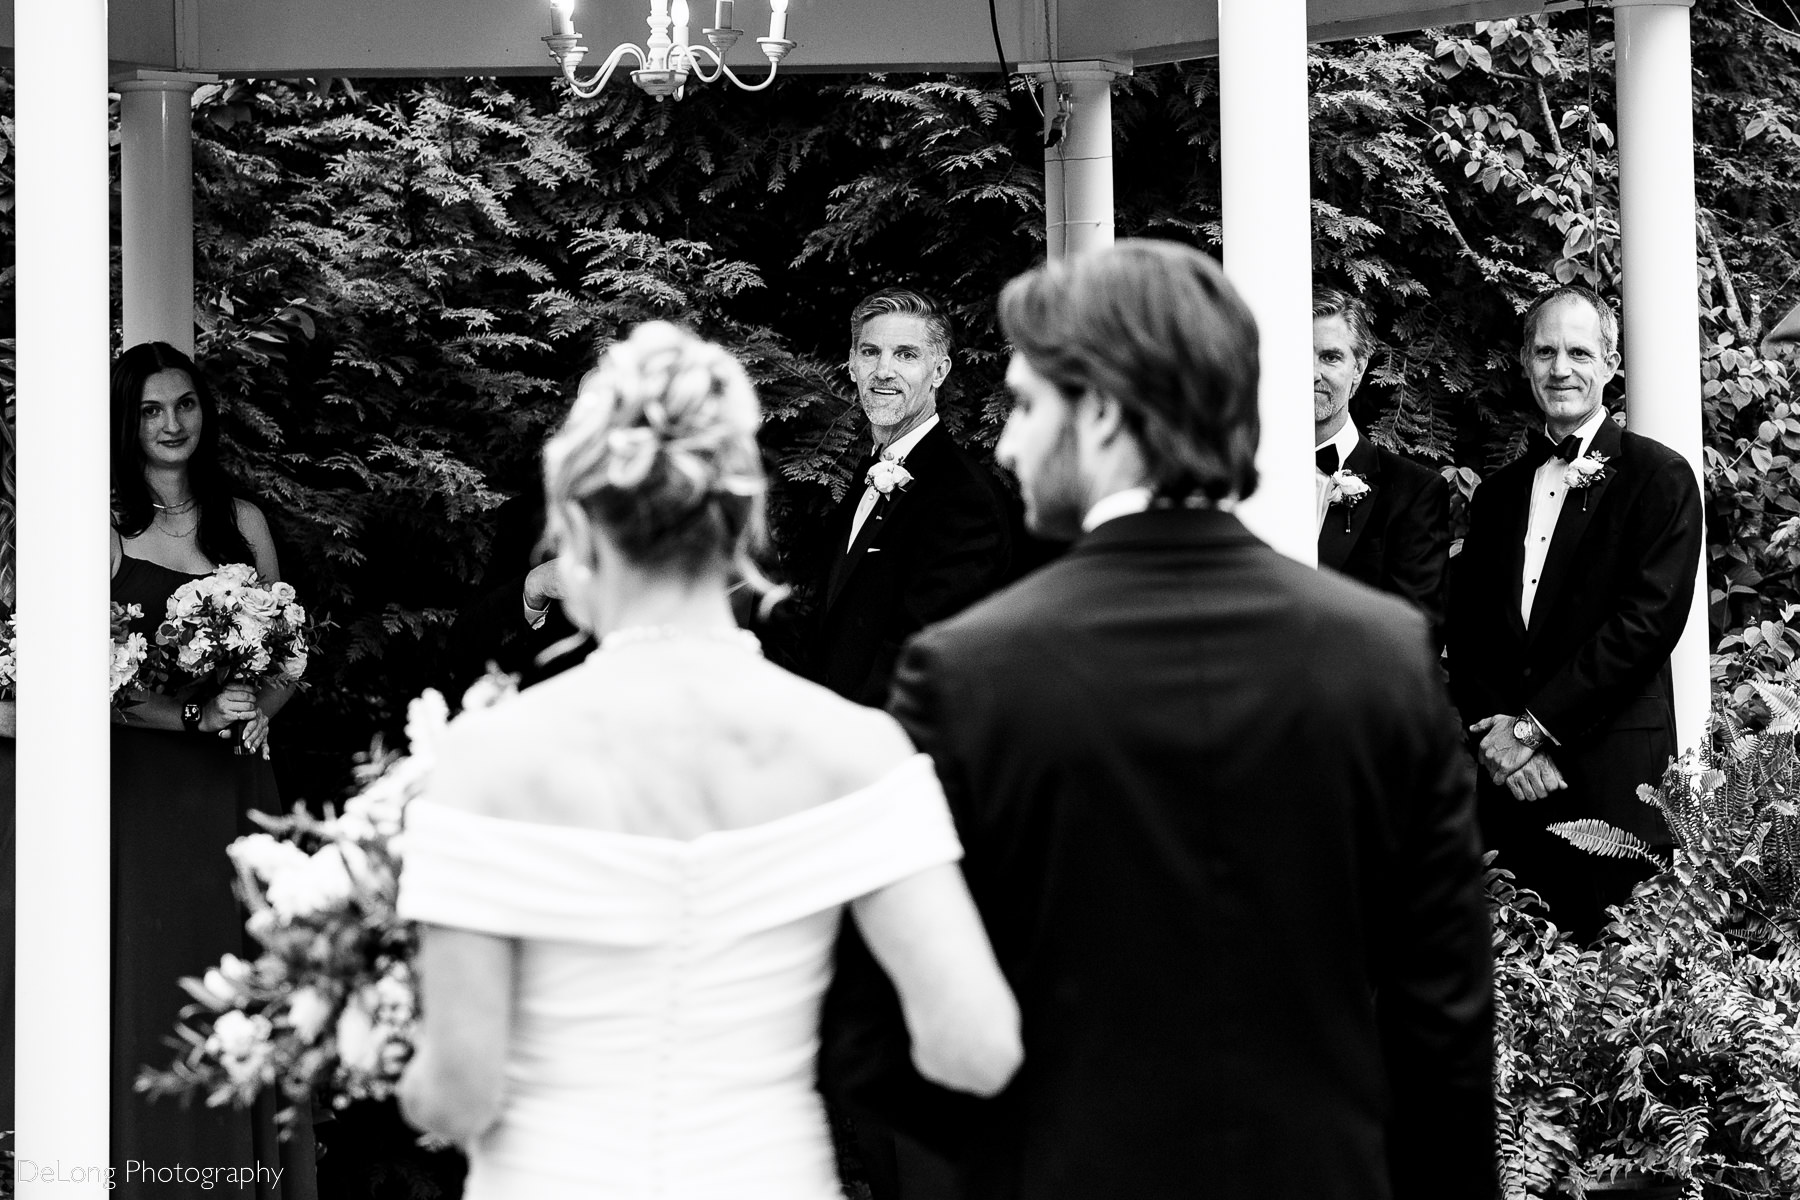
[631,635]
[177,508]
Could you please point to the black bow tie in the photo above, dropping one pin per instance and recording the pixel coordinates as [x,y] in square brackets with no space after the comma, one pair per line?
[1542,448]
[1327,458]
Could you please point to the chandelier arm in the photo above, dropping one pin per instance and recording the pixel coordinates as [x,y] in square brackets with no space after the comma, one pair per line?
[587,91]
[720,68]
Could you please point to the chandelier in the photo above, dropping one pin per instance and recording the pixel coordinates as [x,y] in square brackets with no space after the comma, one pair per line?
[665,61]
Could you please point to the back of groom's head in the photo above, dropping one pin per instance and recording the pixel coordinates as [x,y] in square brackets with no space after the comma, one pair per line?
[1156,327]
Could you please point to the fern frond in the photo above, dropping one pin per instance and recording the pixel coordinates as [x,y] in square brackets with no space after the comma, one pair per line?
[1597,837]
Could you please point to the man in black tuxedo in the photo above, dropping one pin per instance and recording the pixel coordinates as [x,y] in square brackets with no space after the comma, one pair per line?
[1216,813]
[515,620]
[923,531]
[1395,535]
[1570,594]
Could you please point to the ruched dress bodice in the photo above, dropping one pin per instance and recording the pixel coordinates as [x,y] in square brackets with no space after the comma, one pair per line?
[667,1004]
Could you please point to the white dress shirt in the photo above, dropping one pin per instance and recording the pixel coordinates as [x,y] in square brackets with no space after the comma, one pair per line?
[896,452]
[1547,496]
[1119,504]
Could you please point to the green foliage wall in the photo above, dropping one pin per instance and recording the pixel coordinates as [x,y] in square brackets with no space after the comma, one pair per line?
[400,281]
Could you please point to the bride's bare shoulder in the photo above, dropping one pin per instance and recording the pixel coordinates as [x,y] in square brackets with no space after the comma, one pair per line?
[855,745]
[482,756]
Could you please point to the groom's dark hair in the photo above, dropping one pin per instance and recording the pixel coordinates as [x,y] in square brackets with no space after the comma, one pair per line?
[1156,327]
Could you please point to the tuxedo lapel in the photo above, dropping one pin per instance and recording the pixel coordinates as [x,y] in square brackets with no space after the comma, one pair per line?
[1578,510]
[1344,527]
[870,538]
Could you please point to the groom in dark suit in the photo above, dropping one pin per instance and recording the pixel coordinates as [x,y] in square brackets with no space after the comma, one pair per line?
[923,531]
[1571,591]
[1394,536]
[1216,814]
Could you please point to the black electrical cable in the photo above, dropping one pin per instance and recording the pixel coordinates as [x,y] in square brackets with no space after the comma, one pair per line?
[999,53]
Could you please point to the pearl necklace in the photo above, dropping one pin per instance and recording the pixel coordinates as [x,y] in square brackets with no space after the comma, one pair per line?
[631,635]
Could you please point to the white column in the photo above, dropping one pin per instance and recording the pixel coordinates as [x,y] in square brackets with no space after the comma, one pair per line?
[156,210]
[1078,177]
[1267,218]
[64,824]
[1661,304]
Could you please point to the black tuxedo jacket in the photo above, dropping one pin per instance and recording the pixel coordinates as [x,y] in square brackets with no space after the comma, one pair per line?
[491,628]
[1398,538]
[1593,667]
[926,552]
[1219,826]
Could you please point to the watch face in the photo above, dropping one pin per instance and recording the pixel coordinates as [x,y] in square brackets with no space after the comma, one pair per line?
[1522,730]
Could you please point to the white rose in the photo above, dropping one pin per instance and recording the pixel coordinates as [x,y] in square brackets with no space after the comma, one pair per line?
[264,856]
[307,1011]
[283,593]
[322,884]
[358,1043]
[426,718]
[238,1034]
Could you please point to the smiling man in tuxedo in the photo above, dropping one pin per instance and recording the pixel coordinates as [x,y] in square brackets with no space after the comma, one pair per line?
[1571,591]
[1383,519]
[923,531]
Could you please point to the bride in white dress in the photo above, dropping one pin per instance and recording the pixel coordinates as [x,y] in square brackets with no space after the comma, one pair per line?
[631,876]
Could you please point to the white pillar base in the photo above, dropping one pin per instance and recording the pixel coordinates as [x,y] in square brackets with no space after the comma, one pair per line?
[1661,304]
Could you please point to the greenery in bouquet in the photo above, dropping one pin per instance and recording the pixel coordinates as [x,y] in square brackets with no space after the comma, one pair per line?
[9,662]
[130,650]
[1670,1049]
[326,1010]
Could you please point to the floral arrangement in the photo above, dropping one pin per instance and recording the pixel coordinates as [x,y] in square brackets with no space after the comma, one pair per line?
[888,477]
[130,650]
[329,1005]
[228,628]
[1583,473]
[1347,489]
[9,662]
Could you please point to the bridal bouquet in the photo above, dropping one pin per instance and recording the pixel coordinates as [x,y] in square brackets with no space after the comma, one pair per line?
[328,1006]
[9,663]
[228,628]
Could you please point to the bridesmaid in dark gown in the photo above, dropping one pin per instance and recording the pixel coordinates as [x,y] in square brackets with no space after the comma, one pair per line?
[179,793]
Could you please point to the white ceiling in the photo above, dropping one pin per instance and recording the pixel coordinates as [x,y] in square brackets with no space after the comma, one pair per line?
[481,37]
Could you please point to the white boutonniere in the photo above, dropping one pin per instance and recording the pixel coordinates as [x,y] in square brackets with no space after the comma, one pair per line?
[888,477]
[1348,489]
[1584,473]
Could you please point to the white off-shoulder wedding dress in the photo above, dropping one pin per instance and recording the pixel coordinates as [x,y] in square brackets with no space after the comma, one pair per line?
[667,1011]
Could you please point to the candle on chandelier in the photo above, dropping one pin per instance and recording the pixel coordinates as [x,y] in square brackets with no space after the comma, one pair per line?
[562,18]
[680,13]
[723,14]
[778,20]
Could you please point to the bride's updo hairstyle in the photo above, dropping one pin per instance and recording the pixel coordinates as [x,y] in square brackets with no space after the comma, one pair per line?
[659,455]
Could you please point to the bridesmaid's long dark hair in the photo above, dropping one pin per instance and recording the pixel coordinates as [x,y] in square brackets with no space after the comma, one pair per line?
[220,540]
